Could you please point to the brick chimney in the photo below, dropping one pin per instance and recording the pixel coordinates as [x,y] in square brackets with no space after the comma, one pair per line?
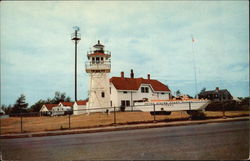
[148,76]
[122,74]
[131,74]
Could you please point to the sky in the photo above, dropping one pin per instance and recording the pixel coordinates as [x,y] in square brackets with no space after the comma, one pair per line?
[37,54]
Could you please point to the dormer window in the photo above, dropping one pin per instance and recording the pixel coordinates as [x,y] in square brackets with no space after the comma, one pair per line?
[144,89]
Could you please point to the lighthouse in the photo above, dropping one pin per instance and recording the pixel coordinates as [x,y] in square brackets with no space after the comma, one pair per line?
[98,67]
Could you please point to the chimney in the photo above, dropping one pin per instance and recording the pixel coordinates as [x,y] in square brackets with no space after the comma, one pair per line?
[122,74]
[217,89]
[132,74]
[148,76]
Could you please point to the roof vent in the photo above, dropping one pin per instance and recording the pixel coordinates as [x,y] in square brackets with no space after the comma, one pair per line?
[131,74]
[122,74]
[148,76]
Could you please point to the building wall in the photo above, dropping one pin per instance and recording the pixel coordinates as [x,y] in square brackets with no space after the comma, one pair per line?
[118,95]
[79,109]
[43,109]
[113,95]
[99,82]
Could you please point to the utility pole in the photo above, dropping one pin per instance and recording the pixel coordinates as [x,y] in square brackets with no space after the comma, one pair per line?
[76,37]
[194,63]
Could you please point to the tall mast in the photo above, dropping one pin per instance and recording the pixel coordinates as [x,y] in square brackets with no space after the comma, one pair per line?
[194,63]
[76,38]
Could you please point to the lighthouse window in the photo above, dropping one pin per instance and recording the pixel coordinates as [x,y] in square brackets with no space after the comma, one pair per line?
[97,59]
[103,94]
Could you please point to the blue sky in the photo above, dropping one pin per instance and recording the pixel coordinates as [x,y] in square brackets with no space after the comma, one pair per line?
[37,55]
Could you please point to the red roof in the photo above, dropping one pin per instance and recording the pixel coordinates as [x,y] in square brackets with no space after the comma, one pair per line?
[135,83]
[81,102]
[67,103]
[97,54]
[50,106]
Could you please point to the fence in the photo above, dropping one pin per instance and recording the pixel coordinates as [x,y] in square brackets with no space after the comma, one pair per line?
[111,116]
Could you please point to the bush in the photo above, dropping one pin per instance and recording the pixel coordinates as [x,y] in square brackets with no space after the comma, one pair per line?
[230,105]
[197,115]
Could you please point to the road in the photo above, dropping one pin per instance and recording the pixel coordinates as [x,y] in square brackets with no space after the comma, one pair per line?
[229,140]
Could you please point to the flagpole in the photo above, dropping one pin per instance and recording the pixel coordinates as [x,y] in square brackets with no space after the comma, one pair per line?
[194,63]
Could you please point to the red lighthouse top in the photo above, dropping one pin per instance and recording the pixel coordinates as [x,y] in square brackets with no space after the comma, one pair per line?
[98,50]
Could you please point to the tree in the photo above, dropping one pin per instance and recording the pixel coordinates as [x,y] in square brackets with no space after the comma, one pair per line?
[178,93]
[38,105]
[6,109]
[203,90]
[20,105]
[60,97]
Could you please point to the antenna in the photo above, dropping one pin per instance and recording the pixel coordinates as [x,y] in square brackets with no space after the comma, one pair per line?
[194,63]
[76,28]
[76,37]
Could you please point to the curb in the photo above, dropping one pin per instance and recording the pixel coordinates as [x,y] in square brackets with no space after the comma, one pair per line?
[122,127]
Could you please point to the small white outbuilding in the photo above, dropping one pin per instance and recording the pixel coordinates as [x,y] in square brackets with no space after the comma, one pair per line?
[80,107]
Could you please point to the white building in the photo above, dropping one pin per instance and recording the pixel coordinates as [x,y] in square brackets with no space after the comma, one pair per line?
[125,91]
[80,107]
[62,108]
[46,109]
[117,91]
[56,109]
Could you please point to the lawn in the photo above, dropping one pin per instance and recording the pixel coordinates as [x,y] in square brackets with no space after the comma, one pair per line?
[46,123]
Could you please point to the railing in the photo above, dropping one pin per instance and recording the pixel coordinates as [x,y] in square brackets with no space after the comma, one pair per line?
[104,51]
[101,65]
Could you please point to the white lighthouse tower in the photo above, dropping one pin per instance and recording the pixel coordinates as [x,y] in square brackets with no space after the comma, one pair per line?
[98,66]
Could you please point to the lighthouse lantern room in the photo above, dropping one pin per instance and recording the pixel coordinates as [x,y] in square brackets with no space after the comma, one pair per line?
[98,67]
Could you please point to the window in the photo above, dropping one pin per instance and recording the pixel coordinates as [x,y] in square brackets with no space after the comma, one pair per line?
[103,94]
[127,103]
[101,58]
[144,90]
[97,59]
[162,93]
[123,103]
[125,92]
[93,60]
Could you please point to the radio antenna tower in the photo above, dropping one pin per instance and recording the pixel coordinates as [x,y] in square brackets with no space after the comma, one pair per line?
[76,37]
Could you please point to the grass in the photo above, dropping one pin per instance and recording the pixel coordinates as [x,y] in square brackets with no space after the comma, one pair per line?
[45,123]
